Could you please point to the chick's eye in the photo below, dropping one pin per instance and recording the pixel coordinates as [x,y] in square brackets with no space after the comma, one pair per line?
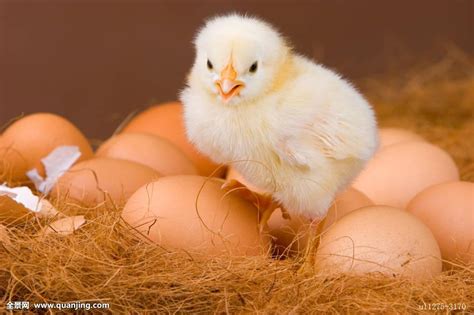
[209,65]
[253,67]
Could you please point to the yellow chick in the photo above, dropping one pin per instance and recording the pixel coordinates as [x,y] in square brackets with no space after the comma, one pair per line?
[299,130]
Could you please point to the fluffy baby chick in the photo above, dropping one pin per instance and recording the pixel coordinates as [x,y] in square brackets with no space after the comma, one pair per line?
[302,132]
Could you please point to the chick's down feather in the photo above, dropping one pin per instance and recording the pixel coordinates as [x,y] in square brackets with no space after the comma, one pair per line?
[293,128]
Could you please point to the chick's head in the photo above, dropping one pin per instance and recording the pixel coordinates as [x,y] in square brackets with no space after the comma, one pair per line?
[237,58]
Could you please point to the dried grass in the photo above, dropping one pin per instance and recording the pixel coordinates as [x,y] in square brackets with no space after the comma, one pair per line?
[103,262]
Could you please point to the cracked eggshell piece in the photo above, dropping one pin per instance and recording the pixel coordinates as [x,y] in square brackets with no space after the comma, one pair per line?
[65,226]
[20,204]
[95,181]
[379,239]
[155,152]
[33,137]
[13,212]
[56,164]
[17,204]
[47,210]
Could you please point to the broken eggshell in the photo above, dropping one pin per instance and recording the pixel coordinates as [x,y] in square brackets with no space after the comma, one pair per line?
[65,226]
[31,138]
[19,203]
[55,164]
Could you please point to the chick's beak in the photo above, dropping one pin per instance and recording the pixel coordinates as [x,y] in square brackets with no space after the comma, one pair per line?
[227,85]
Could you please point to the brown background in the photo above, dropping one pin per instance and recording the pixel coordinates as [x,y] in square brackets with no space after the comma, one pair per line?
[96,61]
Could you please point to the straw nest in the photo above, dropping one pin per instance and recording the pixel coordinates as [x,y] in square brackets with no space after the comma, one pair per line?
[102,262]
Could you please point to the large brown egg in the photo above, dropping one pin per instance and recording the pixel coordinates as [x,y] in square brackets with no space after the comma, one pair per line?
[448,210]
[194,214]
[379,239]
[166,121]
[390,136]
[157,153]
[92,182]
[32,138]
[292,235]
[399,172]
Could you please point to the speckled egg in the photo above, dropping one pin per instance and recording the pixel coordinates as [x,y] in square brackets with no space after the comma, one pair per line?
[379,239]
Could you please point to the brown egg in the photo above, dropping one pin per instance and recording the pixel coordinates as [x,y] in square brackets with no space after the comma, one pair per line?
[166,121]
[390,136]
[379,239]
[32,138]
[398,172]
[345,202]
[95,181]
[155,152]
[165,212]
[293,234]
[448,210]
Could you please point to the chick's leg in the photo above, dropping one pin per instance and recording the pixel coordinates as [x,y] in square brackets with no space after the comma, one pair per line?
[263,202]
[265,215]
[267,212]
